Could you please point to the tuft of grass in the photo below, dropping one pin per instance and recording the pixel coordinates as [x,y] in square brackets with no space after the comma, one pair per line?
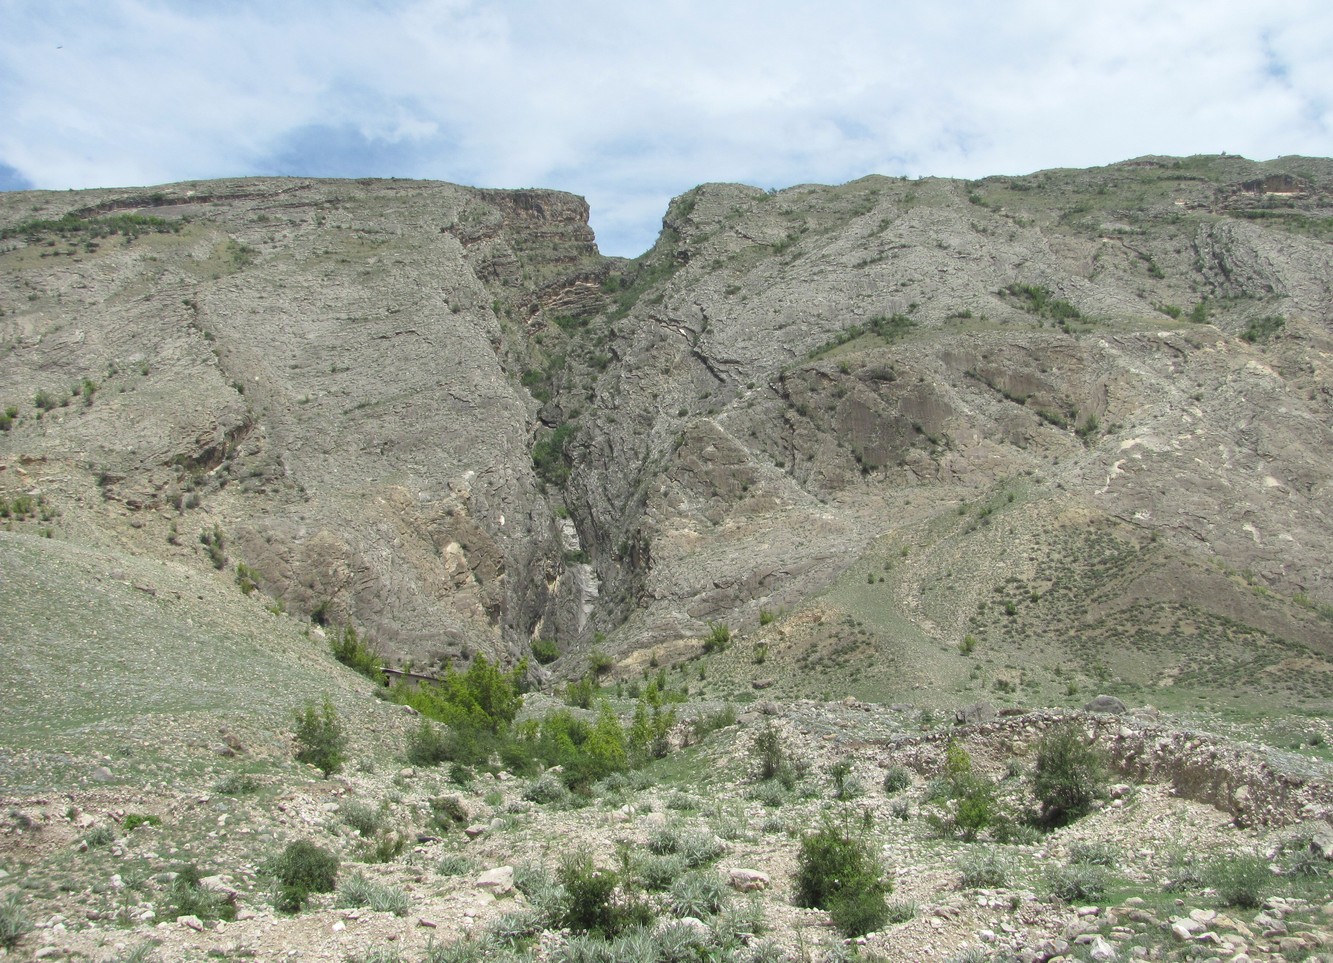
[1077,883]
[14,922]
[984,869]
[357,891]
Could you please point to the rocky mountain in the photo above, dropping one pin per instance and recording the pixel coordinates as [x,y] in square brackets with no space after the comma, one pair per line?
[1021,437]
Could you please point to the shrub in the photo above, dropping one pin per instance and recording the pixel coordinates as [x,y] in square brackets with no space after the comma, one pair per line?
[768,753]
[545,651]
[1093,854]
[1076,883]
[100,836]
[1068,776]
[236,784]
[301,869]
[14,923]
[358,891]
[987,869]
[591,905]
[350,650]
[700,895]
[364,818]
[319,738]
[839,873]
[1239,880]
[427,745]
[858,911]
[448,812]
[718,638]
[896,780]
[188,898]
[547,789]
[134,820]
[845,785]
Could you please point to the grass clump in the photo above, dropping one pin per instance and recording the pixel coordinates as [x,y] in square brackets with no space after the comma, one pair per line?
[696,847]
[1077,882]
[896,780]
[14,922]
[300,870]
[357,891]
[698,894]
[840,873]
[188,898]
[364,818]
[985,869]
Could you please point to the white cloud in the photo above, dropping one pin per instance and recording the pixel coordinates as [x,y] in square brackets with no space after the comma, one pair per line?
[629,104]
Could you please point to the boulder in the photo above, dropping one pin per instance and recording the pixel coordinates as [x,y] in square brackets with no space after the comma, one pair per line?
[1106,704]
[748,880]
[976,713]
[498,881]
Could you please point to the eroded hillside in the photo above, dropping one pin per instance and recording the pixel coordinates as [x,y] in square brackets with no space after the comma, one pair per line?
[1074,425]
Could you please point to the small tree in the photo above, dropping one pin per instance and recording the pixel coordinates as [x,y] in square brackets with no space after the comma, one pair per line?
[320,740]
[1069,775]
[840,873]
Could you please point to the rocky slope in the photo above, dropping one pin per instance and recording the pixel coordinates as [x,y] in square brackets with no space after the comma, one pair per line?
[1078,421]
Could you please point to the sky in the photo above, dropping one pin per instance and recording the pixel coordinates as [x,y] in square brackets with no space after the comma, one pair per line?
[630,104]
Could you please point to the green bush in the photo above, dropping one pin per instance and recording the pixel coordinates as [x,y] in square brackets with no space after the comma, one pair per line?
[840,873]
[896,780]
[14,922]
[1239,880]
[855,912]
[364,818]
[482,698]
[319,738]
[1263,329]
[545,651]
[134,820]
[547,789]
[300,870]
[1069,775]
[718,638]
[591,904]
[428,745]
[350,650]
[768,753]
[697,847]
[1076,883]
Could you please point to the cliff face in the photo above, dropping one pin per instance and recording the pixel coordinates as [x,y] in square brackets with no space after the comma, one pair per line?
[1081,419]
[321,370]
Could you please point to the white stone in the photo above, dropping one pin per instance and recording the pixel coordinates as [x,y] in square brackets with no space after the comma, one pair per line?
[498,880]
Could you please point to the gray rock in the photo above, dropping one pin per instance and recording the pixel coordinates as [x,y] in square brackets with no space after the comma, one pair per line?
[1106,704]
[497,881]
[976,713]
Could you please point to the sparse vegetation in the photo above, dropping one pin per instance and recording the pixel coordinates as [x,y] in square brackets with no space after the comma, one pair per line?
[301,870]
[839,873]
[1069,775]
[320,740]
